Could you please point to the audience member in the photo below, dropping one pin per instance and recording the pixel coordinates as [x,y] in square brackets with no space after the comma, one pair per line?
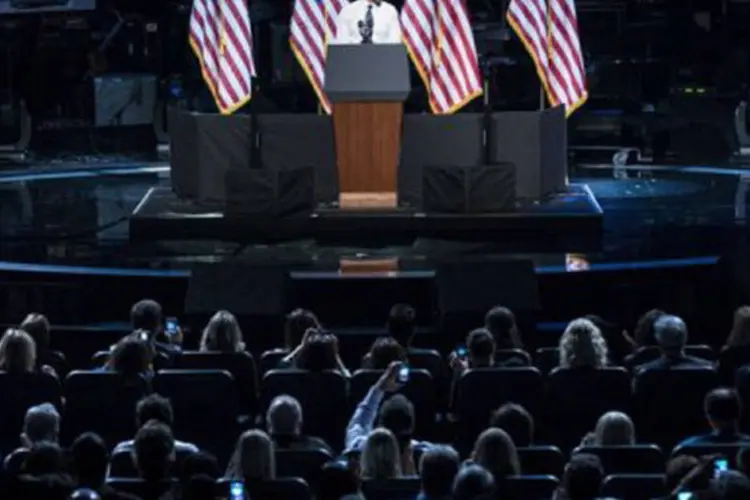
[380,457]
[473,482]
[619,343]
[614,428]
[222,334]
[196,465]
[253,459]
[677,469]
[40,425]
[495,451]
[582,478]
[335,481]
[319,351]
[44,458]
[43,475]
[284,422]
[672,336]
[731,485]
[147,315]
[38,327]
[132,358]
[643,334]
[297,323]
[401,323]
[515,420]
[18,353]
[501,323]
[582,346]
[437,469]
[89,461]
[396,414]
[739,336]
[153,451]
[198,487]
[384,351]
[722,408]
[155,408]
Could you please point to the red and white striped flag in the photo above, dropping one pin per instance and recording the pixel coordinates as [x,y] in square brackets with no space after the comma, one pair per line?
[438,36]
[222,38]
[313,27]
[549,31]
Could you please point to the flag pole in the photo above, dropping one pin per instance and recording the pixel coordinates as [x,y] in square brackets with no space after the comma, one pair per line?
[542,97]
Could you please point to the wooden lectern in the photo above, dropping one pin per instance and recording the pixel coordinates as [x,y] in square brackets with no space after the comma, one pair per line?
[367,85]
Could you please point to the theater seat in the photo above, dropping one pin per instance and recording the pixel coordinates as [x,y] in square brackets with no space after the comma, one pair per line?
[269,360]
[634,486]
[729,451]
[669,404]
[547,359]
[241,365]
[420,390]
[577,397]
[18,392]
[635,459]
[305,464]
[391,489]
[121,465]
[140,488]
[481,391]
[541,460]
[101,402]
[322,395]
[528,487]
[281,488]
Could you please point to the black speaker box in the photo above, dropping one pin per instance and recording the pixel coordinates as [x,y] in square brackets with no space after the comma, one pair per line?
[473,189]
[242,288]
[477,286]
[274,192]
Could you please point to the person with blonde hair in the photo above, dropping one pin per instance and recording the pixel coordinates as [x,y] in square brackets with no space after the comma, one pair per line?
[495,451]
[380,458]
[253,459]
[582,346]
[222,334]
[614,428]
[17,352]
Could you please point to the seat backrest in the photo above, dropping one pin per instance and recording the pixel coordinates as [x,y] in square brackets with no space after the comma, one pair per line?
[240,365]
[140,488]
[420,390]
[121,465]
[634,459]
[269,360]
[541,460]
[391,489]
[529,487]
[322,396]
[285,487]
[503,355]
[728,451]
[426,359]
[18,392]
[634,486]
[546,359]
[730,360]
[305,464]
[13,462]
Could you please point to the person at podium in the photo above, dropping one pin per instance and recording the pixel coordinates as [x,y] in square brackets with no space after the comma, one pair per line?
[368,22]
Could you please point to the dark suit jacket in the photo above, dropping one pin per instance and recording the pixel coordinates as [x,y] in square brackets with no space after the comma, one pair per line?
[682,361]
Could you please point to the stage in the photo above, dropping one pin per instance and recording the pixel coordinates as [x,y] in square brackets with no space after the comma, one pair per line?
[568,221]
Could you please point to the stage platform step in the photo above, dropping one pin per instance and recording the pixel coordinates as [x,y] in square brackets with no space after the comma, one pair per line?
[570,221]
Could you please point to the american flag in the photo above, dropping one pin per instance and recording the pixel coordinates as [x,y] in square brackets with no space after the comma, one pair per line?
[313,27]
[438,36]
[549,30]
[222,38]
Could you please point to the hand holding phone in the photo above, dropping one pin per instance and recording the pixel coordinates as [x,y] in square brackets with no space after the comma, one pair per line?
[403,374]
[236,490]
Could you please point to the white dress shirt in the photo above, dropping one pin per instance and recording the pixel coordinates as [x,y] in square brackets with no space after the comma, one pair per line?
[386,23]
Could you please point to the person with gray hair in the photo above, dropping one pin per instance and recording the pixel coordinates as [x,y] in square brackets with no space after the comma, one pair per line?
[671,335]
[40,425]
[582,345]
[284,424]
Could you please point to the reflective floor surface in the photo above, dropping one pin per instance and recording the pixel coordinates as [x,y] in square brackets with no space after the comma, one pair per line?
[76,220]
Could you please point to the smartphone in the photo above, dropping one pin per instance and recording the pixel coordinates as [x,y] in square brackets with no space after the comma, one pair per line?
[171,326]
[143,336]
[720,465]
[684,495]
[403,374]
[462,351]
[236,490]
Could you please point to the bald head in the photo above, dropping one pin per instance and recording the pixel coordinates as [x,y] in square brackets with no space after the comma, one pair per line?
[284,416]
[671,333]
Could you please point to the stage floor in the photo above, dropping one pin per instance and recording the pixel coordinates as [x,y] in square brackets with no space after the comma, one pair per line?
[80,220]
[563,222]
